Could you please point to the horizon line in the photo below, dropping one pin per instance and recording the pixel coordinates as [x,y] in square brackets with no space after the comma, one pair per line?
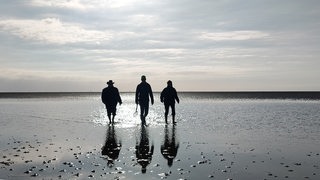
[186,91]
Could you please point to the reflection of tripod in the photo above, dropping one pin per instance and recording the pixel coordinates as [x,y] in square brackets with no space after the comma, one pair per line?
[169,148]
[112,146]
[143,150]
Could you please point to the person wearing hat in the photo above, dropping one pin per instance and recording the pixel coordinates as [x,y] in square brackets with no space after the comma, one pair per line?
[143,92]
[111,97]
[168,96]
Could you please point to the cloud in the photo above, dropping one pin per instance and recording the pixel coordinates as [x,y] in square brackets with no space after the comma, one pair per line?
[87,4]
[189,41]
[71,4]
[34,73]
[52,30]
[233,35]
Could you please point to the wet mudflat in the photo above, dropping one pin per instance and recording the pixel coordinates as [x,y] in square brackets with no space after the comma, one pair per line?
[79,157]
[219,139]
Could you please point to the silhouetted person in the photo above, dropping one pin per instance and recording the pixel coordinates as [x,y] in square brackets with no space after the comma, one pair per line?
[169,148]
[112,146]
[168,97]
[143,150]
[111,97]
[143,92]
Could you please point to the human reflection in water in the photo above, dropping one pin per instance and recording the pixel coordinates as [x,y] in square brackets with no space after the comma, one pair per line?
[112,146]
[169,148]
[144,151]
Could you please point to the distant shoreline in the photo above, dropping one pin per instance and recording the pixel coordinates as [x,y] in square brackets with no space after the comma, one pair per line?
[312,95]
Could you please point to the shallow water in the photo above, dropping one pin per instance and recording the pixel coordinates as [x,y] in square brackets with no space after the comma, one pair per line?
[217,138]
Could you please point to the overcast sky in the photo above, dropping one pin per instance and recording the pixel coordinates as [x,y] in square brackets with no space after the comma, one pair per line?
[201,45]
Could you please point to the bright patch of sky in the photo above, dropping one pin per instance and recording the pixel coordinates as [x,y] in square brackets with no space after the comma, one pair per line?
[224,45]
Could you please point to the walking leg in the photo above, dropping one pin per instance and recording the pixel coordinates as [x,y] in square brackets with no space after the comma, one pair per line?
[146,111]
[113,118]
[166,112]
[109,117]
[109,113]
[114,109]
[142,114]
[173,113]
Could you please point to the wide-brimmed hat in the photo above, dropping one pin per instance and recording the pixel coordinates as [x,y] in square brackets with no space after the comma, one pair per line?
[110,82]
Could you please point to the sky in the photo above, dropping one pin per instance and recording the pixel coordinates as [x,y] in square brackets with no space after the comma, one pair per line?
[201,45]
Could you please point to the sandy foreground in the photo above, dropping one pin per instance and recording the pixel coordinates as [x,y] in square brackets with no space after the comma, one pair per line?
[77,150]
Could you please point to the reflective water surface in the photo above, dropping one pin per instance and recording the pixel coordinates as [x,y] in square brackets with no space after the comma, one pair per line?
[70,138]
